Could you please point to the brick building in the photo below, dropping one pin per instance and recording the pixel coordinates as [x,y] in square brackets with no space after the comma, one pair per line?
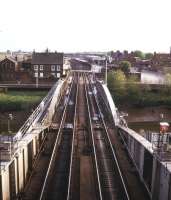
[47,65]
[8,69]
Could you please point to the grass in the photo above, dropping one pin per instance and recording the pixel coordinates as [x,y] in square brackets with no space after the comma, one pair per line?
[20,100]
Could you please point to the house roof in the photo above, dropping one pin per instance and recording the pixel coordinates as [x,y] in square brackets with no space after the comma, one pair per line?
[47,58]
[9,58]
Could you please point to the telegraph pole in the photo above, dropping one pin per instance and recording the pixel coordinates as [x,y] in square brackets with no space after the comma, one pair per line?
[106,69]
[37,80]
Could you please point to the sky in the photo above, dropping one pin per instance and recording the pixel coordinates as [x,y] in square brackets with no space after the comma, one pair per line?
[85,25]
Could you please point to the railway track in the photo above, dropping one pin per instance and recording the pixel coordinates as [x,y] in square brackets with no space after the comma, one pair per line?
[82,179]
[110,180]
[109,183]
[57,179]
[83,164]
[35,181]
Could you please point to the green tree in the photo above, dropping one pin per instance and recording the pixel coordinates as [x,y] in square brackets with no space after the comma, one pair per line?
[139,54]
[168,79]
[133,88]
[117,83]
[148,55]
[125,66]
[167,84]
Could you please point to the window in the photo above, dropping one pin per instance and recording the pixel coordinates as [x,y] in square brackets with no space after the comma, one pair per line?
[58,75]
[35,67]
[35,74]
[41,67]
[53,74]
[52,67]
[58,67]
[41,74]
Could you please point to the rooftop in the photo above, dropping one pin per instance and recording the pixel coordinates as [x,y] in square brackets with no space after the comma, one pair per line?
[47,58]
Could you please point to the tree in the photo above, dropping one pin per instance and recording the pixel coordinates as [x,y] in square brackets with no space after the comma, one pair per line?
[116,83]
[167,86]
[139,54]
[133,88]
[125,66]
[148,56]
[168,79]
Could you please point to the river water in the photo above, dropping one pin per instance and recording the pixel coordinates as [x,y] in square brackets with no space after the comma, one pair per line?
[147,118]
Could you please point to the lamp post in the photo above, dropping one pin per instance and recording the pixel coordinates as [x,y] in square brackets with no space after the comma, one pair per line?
[106,69]
[37,80]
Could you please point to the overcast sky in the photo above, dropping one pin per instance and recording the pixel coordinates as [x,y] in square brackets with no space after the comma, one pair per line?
[85,25]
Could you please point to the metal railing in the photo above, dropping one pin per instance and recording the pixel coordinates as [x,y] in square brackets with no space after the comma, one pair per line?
[37,112]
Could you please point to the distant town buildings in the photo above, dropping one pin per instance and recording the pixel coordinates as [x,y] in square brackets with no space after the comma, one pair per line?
[8,69]
[157,61]
[23,67]
[26,68]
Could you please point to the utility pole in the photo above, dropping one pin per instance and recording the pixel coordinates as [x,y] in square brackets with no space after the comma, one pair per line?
[106,69]
[37,80]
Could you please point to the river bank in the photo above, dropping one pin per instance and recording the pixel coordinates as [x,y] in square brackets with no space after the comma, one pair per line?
[20,104]
[19,117]
[146,118]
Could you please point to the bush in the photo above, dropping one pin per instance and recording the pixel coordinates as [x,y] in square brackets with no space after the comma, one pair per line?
[127,91]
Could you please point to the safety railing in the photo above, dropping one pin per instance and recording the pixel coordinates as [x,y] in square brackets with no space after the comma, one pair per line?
[37,112]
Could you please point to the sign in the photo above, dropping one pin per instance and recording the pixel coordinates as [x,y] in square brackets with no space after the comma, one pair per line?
[164,126]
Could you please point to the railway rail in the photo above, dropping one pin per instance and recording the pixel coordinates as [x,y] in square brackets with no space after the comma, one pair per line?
[57,179]
[37,176]
[110,179]
[82,178]
[63,175]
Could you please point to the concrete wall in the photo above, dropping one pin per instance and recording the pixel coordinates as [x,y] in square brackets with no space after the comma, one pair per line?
[5,184]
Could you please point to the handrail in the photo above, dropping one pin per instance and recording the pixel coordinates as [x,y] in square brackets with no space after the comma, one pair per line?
[22,131]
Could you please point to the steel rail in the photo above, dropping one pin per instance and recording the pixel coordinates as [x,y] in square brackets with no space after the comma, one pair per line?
[41,149]
[43,191]
[94,148]
[72,148]
[111,146]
